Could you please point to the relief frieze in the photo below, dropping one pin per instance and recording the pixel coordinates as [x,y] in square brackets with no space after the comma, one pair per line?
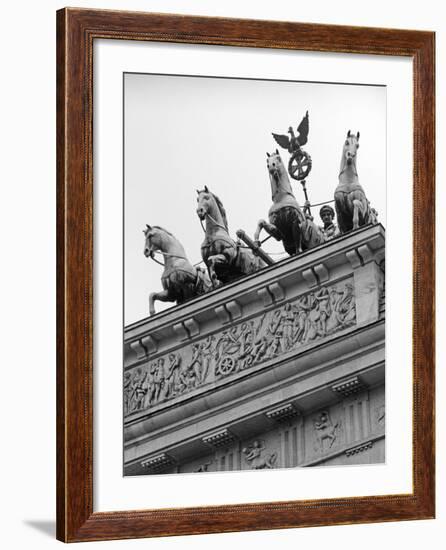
[258,458]
[307,318]
[326,432]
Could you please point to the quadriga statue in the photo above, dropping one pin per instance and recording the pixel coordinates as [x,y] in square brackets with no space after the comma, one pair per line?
[287,222]
[180,279]
[226,260]
[352,207]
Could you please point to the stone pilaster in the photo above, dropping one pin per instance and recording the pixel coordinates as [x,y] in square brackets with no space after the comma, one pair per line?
[367,277]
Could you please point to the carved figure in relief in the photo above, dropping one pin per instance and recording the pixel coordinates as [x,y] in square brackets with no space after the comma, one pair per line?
[287,323]
[334,297]
[139,389]
[325,430]
[342,308]
[190,374]
[230,342]
[158,379]
[260,345]
[183,377]
[275,347]
[127,392]
[313,318]
[274,322]
[196,364]
[333,321]
[207,353]
[171,377]
[151,388]
[259,341]
[323,299]
[273,335]
[228,351]
[346,305]
[247,337]
[301,308]
[256,458]
[260,349]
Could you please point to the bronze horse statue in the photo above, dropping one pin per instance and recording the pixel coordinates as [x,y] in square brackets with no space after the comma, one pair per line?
[226,260]
[180,279]
[352,207]
[287,222]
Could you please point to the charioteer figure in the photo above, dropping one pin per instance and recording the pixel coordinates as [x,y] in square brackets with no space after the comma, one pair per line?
[330,229]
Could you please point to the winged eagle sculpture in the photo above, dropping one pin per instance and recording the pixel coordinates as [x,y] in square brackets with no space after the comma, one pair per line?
[299,165]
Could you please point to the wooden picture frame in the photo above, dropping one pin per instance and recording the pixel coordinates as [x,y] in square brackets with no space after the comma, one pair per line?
[77,29]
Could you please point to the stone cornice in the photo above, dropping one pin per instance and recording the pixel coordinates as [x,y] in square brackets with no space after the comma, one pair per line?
[267,286]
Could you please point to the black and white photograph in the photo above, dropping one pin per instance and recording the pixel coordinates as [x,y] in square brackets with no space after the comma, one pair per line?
[222,262]
[254,274]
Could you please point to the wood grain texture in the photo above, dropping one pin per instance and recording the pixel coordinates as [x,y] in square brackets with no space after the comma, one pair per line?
[76,31]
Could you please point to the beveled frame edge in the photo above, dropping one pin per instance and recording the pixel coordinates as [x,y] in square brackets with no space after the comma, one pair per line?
[76,31]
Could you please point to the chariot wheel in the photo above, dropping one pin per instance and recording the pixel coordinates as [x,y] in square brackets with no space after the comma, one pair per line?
[226,365]
[300,165]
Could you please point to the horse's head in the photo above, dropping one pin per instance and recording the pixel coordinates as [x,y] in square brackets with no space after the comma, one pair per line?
[351,146]
[154,240]
[210,206]
[275,165]
[205,202]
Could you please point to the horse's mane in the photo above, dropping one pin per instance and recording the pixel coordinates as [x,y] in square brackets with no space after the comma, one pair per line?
[222,210]
[220,207]
[162,229]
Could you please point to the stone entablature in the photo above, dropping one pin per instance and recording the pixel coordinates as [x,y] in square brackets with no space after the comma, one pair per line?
[166,360]
[255,355]
[345,432]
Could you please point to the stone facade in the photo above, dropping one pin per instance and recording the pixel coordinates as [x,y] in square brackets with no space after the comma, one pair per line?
[282,368]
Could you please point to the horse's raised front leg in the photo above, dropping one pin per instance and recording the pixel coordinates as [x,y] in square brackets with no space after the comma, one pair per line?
[162,296]
[269,228]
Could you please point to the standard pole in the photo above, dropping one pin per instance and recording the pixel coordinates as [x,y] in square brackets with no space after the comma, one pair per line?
[254,247]
[304,187]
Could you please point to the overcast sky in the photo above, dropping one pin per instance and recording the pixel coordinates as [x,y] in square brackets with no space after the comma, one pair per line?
[182,133]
